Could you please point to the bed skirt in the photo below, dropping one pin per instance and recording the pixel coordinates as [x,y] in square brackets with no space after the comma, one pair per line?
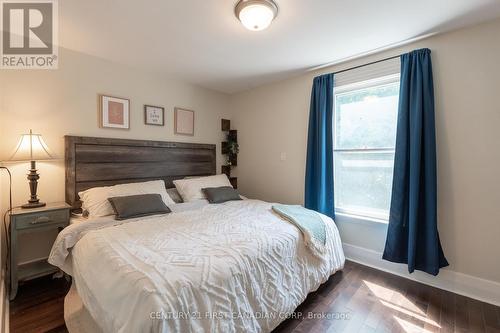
[76,316]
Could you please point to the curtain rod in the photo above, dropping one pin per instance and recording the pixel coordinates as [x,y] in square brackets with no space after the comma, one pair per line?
[371,52]
[367,64]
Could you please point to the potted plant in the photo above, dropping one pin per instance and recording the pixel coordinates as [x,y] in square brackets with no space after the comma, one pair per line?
[233,148]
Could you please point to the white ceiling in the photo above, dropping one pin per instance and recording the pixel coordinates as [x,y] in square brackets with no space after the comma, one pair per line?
[201,41]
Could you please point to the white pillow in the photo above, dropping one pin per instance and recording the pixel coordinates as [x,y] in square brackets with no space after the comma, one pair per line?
[190,189]
[95,200]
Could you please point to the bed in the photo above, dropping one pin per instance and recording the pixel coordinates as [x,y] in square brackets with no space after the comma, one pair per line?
[231,267]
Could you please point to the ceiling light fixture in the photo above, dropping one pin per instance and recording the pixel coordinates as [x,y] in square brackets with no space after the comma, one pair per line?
[256,15]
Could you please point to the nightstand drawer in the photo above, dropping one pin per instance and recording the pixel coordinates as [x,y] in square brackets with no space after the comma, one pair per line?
[42,218]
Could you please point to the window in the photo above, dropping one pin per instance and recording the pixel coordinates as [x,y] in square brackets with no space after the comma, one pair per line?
[365,117]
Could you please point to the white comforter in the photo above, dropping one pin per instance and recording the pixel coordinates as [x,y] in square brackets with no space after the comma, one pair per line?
[233,267]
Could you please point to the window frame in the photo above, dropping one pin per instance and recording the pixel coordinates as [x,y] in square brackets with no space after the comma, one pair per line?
[346,214]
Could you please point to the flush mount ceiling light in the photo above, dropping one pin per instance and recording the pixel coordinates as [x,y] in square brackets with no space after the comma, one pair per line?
[256,15]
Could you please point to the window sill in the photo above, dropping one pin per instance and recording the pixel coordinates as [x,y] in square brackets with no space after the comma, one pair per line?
[349,218]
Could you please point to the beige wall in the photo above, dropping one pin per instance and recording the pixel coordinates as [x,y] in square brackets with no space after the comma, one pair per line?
[64,101]
[273,119]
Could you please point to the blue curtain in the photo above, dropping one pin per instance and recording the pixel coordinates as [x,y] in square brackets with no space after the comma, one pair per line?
[412,236]
[319,164]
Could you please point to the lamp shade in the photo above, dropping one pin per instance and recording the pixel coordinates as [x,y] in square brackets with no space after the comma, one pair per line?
[31,147]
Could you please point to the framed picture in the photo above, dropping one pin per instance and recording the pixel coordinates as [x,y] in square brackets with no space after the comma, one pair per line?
[154,115]
[115,112]
[183,121]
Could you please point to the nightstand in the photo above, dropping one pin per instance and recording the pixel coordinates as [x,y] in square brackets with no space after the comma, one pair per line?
[54,215]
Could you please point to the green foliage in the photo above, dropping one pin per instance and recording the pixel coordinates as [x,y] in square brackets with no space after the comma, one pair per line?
[366,118]
[233,147]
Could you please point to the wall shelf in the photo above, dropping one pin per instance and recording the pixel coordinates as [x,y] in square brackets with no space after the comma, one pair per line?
[232,135]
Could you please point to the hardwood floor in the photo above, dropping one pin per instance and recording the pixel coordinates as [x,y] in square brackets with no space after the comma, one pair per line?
[39,306]
[358,299]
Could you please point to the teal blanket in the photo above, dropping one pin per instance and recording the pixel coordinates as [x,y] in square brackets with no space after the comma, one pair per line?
[309,223]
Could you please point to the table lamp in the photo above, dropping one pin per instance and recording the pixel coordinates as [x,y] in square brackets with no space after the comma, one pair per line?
[31,147]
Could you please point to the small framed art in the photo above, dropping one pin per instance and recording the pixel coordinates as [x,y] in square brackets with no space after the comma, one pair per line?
[154,115]
[183,121]
[114,112]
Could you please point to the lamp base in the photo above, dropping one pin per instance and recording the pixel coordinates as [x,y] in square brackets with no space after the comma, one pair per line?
[33,177]
[33,205]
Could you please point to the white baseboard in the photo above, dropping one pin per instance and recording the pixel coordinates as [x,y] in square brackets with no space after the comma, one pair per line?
[459,283]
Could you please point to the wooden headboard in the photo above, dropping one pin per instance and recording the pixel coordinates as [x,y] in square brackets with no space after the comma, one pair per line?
[92,162]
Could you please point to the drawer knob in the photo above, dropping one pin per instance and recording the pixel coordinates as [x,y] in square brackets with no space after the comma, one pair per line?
[41,219]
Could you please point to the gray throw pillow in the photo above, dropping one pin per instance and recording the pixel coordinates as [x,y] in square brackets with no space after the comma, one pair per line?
[138,205]
[221,194]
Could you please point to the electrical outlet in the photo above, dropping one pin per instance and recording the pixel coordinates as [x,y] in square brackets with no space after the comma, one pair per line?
[283,156]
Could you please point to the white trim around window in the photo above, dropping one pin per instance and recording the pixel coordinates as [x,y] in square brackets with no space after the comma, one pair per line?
[349,209]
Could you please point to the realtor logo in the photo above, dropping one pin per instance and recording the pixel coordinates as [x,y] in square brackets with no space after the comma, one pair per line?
[29,34]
